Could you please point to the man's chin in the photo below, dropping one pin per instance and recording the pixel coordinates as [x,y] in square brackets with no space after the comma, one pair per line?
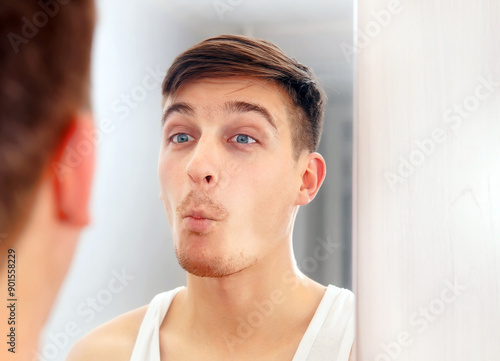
[214,267]
[210,272]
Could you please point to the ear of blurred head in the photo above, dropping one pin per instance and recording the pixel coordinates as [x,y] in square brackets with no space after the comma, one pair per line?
[60,206]
[71,170]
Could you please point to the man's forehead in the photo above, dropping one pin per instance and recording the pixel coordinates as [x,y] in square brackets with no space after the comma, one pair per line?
[226,108]
[232,95]
[228,86]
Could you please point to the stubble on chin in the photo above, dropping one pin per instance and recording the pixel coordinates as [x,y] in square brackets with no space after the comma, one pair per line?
[213,267]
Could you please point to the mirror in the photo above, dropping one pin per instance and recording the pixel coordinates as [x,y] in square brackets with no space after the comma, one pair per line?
[126,256]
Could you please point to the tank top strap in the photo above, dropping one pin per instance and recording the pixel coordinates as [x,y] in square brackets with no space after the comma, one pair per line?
[330,334]
[147,344]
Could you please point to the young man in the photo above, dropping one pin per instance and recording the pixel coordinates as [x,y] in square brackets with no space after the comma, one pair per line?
[44,176]
[241,126]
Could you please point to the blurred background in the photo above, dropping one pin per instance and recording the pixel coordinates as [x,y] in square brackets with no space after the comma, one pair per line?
[126,256]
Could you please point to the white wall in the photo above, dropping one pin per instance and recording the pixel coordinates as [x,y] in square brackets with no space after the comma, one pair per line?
[428,220]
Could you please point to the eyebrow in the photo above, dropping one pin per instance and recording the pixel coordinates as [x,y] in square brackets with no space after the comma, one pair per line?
[182,108]
[233,106]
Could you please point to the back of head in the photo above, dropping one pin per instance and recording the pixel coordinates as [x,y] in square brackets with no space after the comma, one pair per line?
[234,55]
[44,81]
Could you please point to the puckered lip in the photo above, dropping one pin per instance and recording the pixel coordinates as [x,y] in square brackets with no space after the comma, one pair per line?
[200,214]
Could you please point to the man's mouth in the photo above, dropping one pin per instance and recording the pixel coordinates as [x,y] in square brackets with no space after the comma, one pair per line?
[199,220]
[198,225]
[200,214]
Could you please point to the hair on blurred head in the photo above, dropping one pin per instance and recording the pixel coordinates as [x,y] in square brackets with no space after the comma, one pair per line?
[44,81]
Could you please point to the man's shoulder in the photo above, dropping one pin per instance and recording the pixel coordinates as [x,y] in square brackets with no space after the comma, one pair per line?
[346,295]
[112,341]
[342,303]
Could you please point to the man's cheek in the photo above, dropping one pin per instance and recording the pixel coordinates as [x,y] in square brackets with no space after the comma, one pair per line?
[169,203]
[168,209]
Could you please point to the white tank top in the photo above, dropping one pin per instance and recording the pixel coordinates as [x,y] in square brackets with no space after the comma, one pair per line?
[329,336]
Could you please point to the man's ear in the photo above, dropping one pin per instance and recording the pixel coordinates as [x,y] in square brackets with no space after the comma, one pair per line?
[312,178]
[72,170]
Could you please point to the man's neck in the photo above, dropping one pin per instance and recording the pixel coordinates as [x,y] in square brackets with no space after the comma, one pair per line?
[42,253]
[29,305]
[267,303]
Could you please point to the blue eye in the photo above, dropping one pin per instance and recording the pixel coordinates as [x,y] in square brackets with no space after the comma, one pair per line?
[244,139]
[181,138]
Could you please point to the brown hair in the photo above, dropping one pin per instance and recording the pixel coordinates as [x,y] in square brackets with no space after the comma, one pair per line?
[233,55]
[44,81]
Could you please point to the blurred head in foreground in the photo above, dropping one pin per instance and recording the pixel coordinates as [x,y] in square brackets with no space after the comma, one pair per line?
[46,153]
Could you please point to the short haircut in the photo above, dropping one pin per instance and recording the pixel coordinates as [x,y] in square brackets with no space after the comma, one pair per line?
[232,55]
[44,81]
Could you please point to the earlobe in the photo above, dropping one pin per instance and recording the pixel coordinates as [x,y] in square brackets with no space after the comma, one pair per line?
[71,170]
[312,178]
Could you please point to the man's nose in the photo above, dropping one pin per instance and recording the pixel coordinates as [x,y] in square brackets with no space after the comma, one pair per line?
[203,167]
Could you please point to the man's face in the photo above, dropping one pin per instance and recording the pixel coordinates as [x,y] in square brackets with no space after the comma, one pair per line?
[228,178]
